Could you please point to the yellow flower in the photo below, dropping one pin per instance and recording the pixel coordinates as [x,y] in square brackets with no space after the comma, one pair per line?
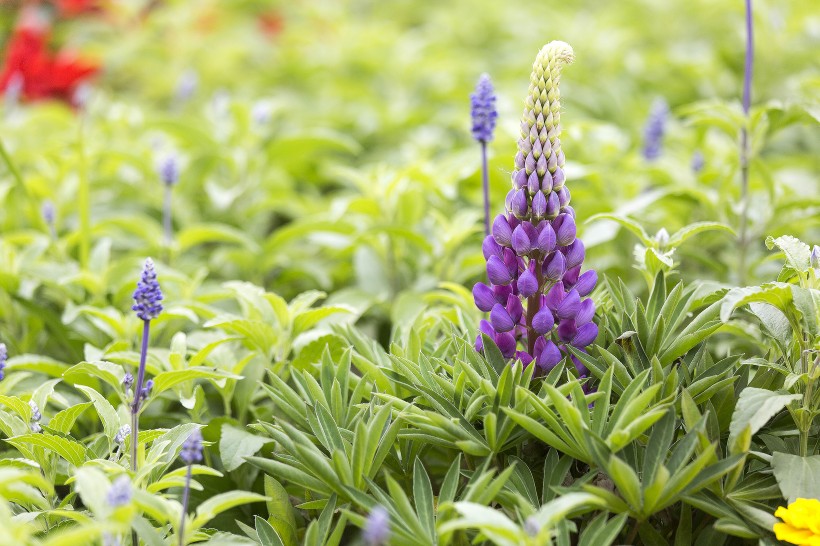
[801,523]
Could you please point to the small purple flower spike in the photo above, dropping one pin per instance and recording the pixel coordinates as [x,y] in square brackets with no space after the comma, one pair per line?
[148,295]
[34,424]
[483,111]
[377,527]
[168,169]
[698,162]
[122,434]
[3,357]
[537,292]
[814,259]
[654,129]
[192,448]
[120,492]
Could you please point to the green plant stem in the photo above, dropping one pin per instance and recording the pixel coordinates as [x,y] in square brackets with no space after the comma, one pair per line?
[185,495]
[633,533]
[11,166]
[744,147]
[485,182]
[805,424]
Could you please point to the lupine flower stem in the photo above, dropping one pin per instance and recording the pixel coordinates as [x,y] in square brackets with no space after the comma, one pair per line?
[744,144]
[185,495]
[482,110]
[135,405]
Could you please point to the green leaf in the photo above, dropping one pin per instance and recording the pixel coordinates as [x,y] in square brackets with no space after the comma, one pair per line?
[166,380]
[754,409]
[423,497]
[778,294]
[71,451]
[680,236]
[798,477]
[106,371]
[214,233]
[108,415]
[214,506]
[797,253]
[64,420]
[267,534]
[235,444]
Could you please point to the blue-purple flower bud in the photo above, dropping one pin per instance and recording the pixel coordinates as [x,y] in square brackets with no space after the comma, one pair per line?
[500,319]
[521,242]
[575,253]
[168,169]
[146,390]
[34,423]
[527,284]
[483,112]
[554,266]
[502,232]
[122,434]
[569,306]
[546,238]
[148,295]
[555,296]
[191,451]
[484,297]
[585,311]
[543,321]
[520,204]
[539,205]
[490,248]
[553,205]
[814,259]
[565,229]
[497,271]
[586,282]
[698,162]
[586,334]
[548,357]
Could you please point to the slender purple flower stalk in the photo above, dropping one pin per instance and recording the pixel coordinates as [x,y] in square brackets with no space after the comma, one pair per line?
[147,298]
[168,171]
[744,141]
[536,292]
[4,355]
[654,129]
[484,114]
[191,453]
[377,527]
[49,215]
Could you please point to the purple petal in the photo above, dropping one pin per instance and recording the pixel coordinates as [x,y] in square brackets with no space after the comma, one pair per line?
[543,321]
[490,248]
[586,282]
[567,330]
[586,335]
[506,344]
[533,185]
[524,357]
[571,276]
[501,319]
[502,232]
[585,312]
[558,178]
[546,238]
[555,266]
[501,292]
[527,284]
[575,253]
[520,240]
[514,308]
[563,196]
[555,296]
[520,176]
[565,234]
[549,357]
[539,205]
[569,306]
[483,296]
[520,204]
[497,271]
[553,205]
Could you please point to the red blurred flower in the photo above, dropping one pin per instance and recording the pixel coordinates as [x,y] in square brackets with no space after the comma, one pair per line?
[72,8]
[43,75]
[271,23]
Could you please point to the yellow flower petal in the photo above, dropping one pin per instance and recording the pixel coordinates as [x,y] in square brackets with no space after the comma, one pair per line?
[791,535]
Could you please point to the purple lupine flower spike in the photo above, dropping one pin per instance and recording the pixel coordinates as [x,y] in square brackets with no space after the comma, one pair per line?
[190,453]
[49,216]
[168,171]
[122,434]
[3,357]
[654,129]
[377,527]
[482,109]
[537,295]
[698,162]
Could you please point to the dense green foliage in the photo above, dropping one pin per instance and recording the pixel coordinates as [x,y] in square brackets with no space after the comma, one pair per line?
[327,226]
